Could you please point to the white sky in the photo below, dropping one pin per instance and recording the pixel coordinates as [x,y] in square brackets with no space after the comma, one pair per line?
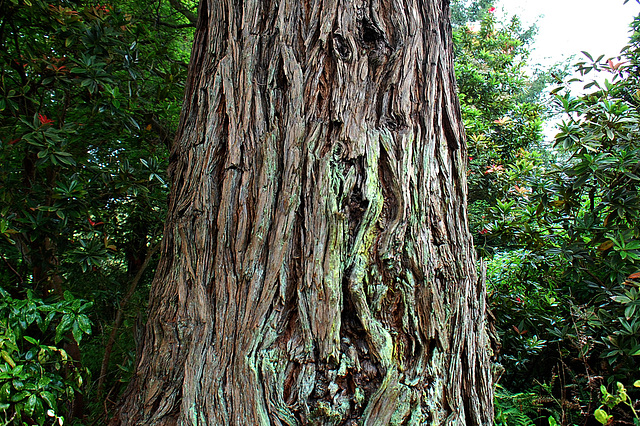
[568,26]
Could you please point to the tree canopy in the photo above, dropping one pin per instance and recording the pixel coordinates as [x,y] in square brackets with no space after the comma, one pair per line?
[89,101]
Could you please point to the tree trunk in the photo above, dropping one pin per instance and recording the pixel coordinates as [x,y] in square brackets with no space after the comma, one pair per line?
[317,267]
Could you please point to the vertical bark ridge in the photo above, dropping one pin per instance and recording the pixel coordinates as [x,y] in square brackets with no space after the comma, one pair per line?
[317,266]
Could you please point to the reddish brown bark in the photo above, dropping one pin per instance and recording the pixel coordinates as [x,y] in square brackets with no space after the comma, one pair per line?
[317,266]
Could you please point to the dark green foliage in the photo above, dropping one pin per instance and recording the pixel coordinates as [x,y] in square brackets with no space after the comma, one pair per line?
[89,100]
[565,279]
[557,224]
[515,409]
[36,378]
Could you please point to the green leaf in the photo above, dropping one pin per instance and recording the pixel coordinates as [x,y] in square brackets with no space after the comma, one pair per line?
[602,416]
[84,323]
[134,122]
[621,299]
[630,311]
[587,55]
[20,396]
[69,161]
[43,382]
[626,325]
[50,399]
[64,326]
[5,355]
[30,405]
[77,333]
[610,134]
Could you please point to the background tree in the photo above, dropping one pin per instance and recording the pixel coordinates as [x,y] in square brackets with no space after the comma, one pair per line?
[466,11]
[502,106]
[316,265]
[567,252]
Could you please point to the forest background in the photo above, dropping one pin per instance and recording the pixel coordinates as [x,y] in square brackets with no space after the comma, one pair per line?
[90,96]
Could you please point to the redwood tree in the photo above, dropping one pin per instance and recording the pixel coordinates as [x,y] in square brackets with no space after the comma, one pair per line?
[317,267]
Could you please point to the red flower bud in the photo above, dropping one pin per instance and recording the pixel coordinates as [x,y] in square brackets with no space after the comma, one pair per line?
[44,119]
[92,223]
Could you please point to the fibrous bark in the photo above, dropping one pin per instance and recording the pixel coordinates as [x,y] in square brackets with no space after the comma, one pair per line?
[317,267]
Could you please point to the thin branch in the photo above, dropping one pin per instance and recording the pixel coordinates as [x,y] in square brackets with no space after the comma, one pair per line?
[120,317]
[166,137]
[176,26]
[180,7]
[12,269]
